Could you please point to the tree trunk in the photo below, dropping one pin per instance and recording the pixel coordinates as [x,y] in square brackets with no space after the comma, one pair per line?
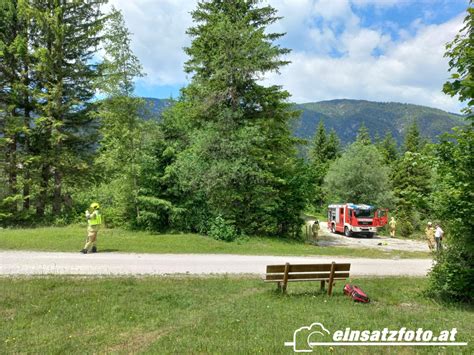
[27,124]
[12,173]
[43,194]
[57,198]
[26,191]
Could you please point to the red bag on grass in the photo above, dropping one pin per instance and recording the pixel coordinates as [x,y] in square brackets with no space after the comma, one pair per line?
[356,293]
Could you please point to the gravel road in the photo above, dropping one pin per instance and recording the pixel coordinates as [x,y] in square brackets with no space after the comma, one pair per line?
[41,263]
[380,242]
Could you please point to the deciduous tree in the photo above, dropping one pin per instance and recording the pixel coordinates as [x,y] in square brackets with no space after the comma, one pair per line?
[359,176]
[461,64]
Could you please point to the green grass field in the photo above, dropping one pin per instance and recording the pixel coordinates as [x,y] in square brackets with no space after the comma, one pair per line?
[223,315]
[72,238]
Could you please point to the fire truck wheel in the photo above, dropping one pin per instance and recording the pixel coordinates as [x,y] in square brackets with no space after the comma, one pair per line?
[333,228]
[347,232]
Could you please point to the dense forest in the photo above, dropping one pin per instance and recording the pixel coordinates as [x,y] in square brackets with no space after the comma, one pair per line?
[222,160]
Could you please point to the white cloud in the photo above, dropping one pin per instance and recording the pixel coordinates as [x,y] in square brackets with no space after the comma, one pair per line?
[371,65]
[412,70]
[159,36]
[381,3]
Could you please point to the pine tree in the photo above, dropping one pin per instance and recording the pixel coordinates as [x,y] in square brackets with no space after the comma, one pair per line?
[67,36]
[122,129]
[324,150]
[363,135]
[411,178]
[241,157]
[15,101]
[413,142]
[318,152]
[333,146]
[388,147]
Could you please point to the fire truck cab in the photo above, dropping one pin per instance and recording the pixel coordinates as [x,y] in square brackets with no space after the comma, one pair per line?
[352,219]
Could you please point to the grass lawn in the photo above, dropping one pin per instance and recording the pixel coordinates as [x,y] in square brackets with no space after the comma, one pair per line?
[72,238]
[223,315]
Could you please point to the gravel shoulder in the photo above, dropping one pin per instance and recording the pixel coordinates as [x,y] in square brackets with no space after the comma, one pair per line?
[43,263]
[326,238]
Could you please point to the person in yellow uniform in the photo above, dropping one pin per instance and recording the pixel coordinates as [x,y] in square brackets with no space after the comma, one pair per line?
[430,235]
[393,227]
[94,220]
[315,230]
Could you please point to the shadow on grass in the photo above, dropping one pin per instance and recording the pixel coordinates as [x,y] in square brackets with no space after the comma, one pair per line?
[107,250]
[321,294]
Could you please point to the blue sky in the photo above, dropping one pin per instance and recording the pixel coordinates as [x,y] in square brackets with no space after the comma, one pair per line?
[380,50]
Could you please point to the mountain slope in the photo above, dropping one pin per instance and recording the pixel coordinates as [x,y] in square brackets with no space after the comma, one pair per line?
[346,116]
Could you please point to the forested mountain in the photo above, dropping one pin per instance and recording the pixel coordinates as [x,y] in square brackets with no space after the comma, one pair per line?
[346,116]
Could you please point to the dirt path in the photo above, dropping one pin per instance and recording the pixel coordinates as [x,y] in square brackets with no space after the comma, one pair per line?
[41,263]
[378,242]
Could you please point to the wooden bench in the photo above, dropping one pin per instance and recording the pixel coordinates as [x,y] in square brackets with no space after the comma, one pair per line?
[282,274]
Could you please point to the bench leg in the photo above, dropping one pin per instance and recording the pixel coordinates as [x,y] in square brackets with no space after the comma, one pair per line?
[279,286]
[331,278]
[285,277]
[322,284]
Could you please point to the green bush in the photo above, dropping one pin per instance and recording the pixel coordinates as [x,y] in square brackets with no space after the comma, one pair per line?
[222,230]
[452,275]
[406,227]
[347,181]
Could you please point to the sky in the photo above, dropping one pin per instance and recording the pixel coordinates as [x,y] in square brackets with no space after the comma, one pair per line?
[378,50]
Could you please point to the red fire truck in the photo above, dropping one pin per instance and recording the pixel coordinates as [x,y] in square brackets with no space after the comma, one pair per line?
[352,219]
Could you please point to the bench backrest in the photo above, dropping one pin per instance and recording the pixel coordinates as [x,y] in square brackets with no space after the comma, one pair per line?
[307,272]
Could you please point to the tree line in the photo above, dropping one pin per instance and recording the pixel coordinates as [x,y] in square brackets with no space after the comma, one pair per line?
[223,160]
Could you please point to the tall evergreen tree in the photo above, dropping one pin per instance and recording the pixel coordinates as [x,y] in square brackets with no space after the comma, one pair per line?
[324,150]
[363,135]
[66,38]
[241,155]
[122,129]
[411,178]
[15,101]
[318,152]
[413,142]
[412,183]
[333,146]
[388,147]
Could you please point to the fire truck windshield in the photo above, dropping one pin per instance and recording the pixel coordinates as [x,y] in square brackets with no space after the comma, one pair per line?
[364,212]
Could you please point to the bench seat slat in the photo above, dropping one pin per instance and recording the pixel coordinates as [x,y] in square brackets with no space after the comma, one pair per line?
[307,268]
[293,280]
[306,276]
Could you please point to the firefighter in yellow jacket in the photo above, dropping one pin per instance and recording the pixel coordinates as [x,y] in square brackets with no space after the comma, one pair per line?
[94,220]
[315,230]
[430,235]
[393,227]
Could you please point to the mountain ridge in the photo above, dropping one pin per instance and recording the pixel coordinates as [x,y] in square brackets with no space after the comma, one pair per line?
[346,116]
